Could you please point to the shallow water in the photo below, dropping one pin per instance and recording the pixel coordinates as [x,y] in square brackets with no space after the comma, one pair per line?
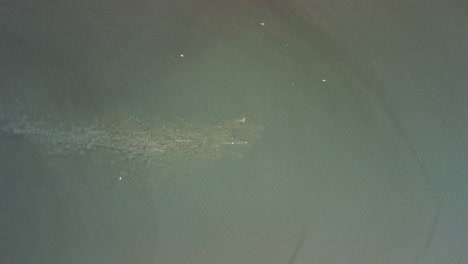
[115,148]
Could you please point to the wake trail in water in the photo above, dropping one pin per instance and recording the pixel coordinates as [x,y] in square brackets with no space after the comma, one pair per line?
[132,138]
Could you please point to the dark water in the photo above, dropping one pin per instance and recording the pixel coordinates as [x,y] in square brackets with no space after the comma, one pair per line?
[122,138]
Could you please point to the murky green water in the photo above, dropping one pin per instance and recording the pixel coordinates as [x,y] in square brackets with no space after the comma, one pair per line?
[196,132]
